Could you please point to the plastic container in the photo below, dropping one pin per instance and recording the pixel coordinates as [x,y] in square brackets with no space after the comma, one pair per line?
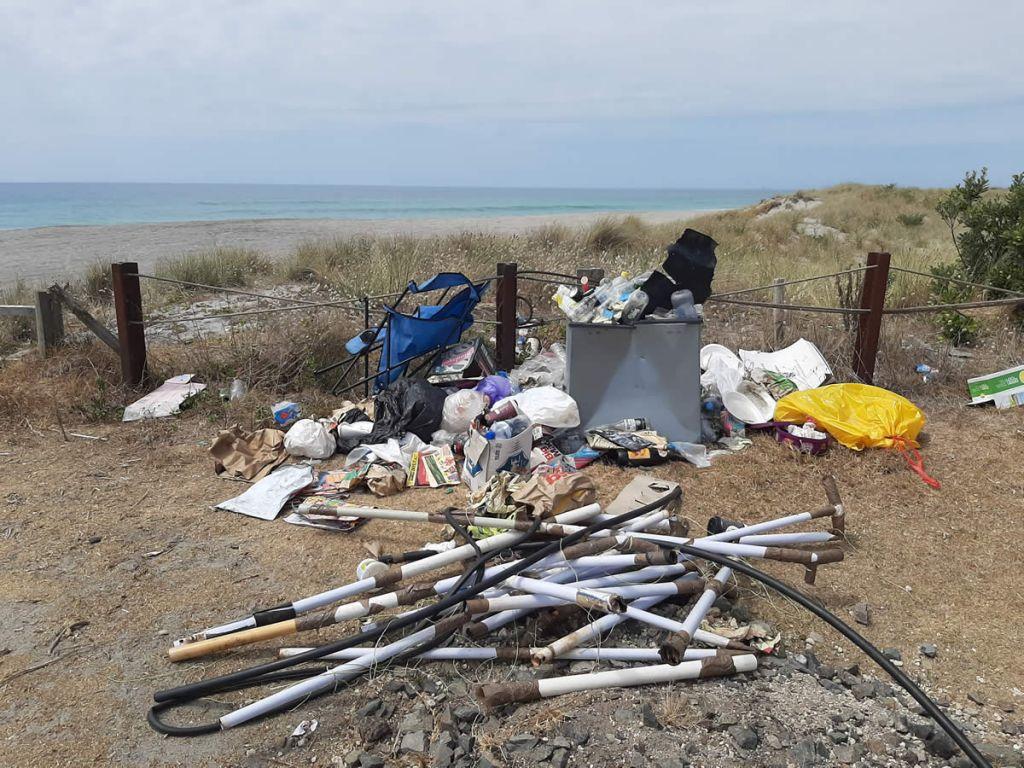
[810,445]
[635,306]
[682,305]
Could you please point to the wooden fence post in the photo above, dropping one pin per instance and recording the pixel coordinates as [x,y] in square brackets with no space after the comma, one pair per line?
[131,333]
[49,322]
[505,309]
[778,314]
[869,327]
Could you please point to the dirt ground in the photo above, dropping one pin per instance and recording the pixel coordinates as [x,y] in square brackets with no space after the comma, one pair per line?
[119,533]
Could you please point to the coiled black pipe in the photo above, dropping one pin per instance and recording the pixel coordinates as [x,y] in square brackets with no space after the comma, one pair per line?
[266,673]
[854,637]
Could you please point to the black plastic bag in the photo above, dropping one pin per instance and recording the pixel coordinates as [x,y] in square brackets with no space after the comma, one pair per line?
[691,263]
[406,405]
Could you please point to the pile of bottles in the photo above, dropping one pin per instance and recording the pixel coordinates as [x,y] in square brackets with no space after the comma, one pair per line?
[619,299]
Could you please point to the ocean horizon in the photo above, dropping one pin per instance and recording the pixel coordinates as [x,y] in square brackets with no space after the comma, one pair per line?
[25,205]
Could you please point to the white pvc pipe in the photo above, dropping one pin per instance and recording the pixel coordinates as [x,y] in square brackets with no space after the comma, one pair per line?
[618,678]
[490,654]
[786,539]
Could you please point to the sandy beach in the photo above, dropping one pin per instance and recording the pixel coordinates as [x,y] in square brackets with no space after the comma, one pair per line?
[46,254]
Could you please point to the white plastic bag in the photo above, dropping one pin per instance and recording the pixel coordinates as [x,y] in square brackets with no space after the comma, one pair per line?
[546,368]
[460,408]
[310,439]
[548,406]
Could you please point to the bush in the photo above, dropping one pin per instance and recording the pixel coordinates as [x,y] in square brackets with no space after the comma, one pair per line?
[987,230]
[956,327]
[911,219]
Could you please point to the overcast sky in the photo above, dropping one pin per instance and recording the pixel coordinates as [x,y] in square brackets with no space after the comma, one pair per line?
[729,93]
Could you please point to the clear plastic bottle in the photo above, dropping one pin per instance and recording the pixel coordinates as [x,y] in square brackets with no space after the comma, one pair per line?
[682,305]
[635,305]
[577,311]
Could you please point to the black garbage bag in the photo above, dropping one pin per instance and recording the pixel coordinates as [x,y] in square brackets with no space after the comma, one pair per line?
[691,263]
[406,405]
[659,290]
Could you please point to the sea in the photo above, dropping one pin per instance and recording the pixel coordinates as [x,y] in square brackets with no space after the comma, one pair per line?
[24,206]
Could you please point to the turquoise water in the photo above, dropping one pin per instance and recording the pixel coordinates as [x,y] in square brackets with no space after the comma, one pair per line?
[46,205]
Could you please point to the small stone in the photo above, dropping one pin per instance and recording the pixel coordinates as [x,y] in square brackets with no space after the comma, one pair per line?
[371,761]
[977,698]
[813,638]
[441,755]
[394,686]
[352,758]
[522,742]
[369,708]
[95,539]
[940,745]
[921,730]
[807,753]
[997,754]
[467,714]
[671,762]
[373,729]
[847,753]
[772,741]
[723,604]
[648,718]
[929,650]
[744,737]
[893,654]
[559,758]
[415,741]
[863,690]
[861,613]
[623,716]
[741,613]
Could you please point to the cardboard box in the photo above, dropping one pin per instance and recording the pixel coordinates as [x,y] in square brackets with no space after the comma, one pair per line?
[486,457]
[1005,388]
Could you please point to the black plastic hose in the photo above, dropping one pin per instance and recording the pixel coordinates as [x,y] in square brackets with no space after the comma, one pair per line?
[854,637]
[263,673]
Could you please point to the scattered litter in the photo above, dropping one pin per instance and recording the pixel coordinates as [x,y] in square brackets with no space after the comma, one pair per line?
[248,455]
[285,413]
[1005,389]
[302,734]
[801,362]
[433,467]
[265,498]
[165,400]
[546,368]
[465,360]
[309,439]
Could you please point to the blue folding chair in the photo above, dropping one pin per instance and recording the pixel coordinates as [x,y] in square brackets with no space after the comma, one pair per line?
[425,332]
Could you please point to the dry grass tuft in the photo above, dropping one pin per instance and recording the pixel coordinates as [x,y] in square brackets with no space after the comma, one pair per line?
[222,267]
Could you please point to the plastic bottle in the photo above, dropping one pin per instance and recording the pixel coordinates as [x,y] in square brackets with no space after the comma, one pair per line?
[682,305]
[636,424]
[711,420]
[635,305]
[577,311]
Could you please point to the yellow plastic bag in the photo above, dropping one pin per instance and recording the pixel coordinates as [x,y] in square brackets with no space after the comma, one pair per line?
[857,415]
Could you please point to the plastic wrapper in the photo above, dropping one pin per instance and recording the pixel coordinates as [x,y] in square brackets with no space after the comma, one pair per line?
[547,406]
[309,439]
[460,408]
[546,368]
[857,415]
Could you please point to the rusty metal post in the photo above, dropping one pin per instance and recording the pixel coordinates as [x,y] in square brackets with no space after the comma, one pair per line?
[131,333]
[505,310]
[869,327]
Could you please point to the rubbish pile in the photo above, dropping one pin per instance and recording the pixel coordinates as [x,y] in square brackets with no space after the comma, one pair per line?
[690,267]
[564,561]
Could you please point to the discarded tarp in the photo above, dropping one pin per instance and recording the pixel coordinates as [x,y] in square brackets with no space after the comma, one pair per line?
[249,455]
[166,400]
[265,498]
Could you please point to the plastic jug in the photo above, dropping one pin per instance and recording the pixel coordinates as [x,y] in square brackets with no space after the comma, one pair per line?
[682,305]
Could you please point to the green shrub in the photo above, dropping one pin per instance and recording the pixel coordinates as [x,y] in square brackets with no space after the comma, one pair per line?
[956,327]
[911,219]
[987,229]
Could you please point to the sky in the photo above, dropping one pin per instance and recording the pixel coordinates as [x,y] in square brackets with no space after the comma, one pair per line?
[560,93]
